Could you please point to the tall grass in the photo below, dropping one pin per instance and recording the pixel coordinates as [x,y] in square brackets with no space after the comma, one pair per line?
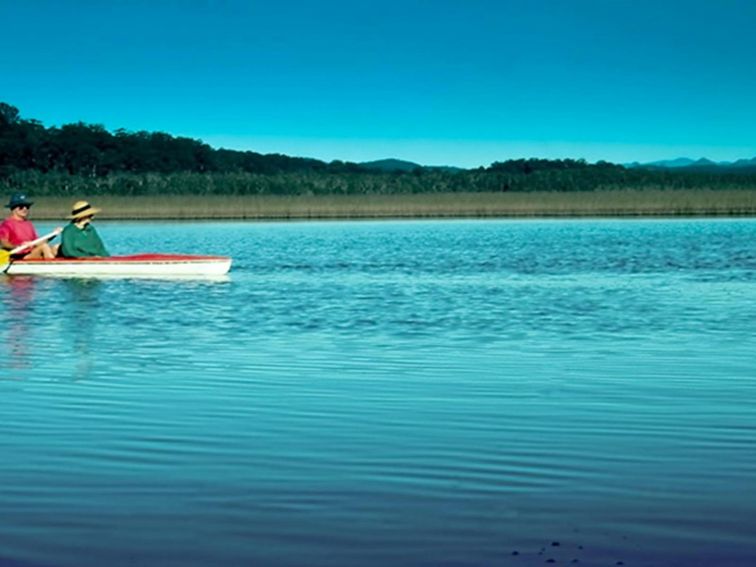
[587,203]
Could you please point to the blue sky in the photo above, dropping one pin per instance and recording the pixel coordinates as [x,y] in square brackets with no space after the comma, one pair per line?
[464,82]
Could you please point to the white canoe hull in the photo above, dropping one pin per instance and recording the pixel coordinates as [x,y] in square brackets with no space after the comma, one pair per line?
[140,265]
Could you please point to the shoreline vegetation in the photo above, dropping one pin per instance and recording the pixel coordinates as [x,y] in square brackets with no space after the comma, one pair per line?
[154,175]
[620,203]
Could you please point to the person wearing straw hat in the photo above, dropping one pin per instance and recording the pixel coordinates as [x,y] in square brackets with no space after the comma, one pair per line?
[17,230]
[79,238]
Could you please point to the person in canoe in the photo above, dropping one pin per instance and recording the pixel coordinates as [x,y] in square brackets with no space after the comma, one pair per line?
[79,238]
[17,230]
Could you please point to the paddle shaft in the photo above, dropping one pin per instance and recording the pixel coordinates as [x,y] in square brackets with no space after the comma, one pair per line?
[36,241]
[6,255]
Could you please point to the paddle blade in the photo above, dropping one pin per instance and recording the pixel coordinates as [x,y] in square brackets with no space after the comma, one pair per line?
[4,257]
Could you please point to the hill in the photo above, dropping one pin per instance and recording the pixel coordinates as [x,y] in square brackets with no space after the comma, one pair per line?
[391,165]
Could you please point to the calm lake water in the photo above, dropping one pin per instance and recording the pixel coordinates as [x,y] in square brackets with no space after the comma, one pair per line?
[389,393]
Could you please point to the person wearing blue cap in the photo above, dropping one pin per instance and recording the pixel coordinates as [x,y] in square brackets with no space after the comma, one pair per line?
[17,230]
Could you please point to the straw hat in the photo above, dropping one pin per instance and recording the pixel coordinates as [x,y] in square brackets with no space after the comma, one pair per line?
[82,209]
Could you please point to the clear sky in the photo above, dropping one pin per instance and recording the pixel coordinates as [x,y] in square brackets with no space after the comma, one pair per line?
[463,82]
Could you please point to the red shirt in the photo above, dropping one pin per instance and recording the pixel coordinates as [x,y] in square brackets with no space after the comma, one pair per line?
[17,231]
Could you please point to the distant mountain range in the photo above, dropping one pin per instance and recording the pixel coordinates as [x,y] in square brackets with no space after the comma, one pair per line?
[700,165]
[679,164]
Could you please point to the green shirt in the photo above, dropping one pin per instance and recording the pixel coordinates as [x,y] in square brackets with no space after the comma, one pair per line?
[80,242]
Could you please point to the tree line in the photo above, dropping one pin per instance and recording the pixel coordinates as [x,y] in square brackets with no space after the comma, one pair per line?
[88,159]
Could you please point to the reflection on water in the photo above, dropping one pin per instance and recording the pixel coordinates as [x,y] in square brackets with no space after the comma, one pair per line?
[72,308]
[18,295]
[389,393]
[84,307]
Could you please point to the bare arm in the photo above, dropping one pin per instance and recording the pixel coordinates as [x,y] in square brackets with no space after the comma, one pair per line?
[8,245]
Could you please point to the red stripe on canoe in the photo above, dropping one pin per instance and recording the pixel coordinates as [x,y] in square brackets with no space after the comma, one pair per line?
[132,258]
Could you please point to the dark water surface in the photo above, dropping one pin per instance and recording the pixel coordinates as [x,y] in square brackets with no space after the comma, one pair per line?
[389,393]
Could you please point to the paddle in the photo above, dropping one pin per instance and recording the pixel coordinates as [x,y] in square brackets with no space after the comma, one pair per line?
[5,255]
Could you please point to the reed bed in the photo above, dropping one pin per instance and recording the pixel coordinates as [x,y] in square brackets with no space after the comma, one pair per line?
[438,205]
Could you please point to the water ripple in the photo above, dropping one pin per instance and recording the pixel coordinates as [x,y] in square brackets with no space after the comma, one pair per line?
[404,393]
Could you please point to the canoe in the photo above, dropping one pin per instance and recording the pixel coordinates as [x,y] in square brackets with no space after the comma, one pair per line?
[135,265]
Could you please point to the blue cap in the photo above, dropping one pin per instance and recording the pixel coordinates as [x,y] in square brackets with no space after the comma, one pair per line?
[18,199]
